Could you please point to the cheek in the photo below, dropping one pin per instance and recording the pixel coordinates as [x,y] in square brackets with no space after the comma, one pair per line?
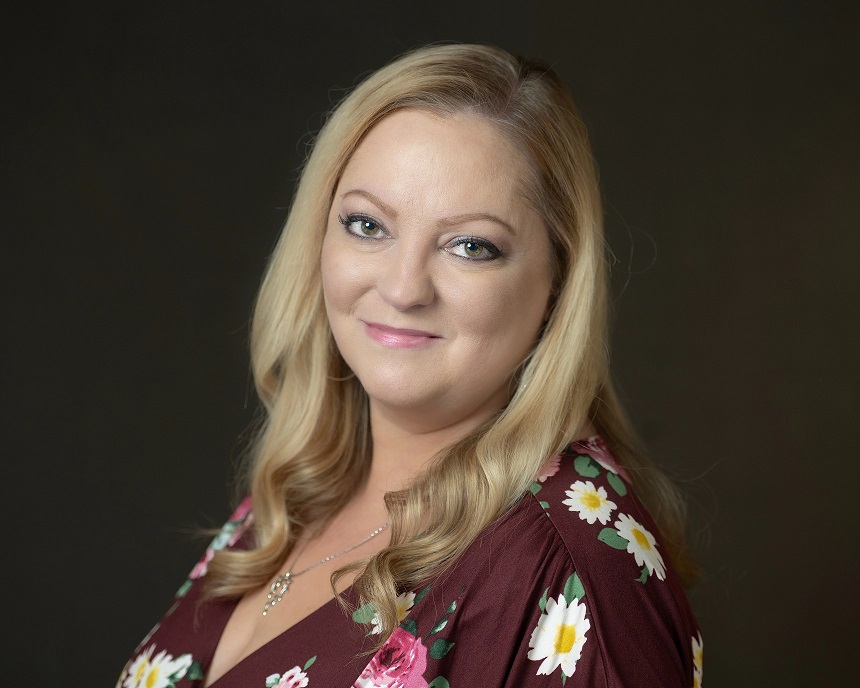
[339,279]
[328,270]
[508,318]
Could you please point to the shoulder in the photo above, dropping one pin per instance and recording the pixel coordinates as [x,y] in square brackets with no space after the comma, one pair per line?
[638,612]
[594,510]
[177,647]
[582,510]
[571,580]
[234,533]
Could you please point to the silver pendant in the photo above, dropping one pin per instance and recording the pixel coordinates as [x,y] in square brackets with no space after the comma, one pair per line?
[277,590]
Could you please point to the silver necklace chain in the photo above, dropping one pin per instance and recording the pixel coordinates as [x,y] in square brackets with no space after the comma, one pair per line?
[282,583]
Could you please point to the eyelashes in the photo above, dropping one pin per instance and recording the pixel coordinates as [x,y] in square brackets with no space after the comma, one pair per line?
[473,248]
[470,248]
[362,226]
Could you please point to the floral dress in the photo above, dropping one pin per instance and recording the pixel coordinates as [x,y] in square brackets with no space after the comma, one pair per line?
[569,588]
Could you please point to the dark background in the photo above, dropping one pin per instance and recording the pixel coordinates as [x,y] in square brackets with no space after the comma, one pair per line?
[148,157]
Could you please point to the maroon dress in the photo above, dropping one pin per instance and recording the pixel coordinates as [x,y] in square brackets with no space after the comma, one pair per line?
[568,588]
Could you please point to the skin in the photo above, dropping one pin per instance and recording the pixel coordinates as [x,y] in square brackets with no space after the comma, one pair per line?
[417,185]
[432,330]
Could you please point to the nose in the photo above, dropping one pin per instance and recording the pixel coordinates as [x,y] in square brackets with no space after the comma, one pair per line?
[405,281]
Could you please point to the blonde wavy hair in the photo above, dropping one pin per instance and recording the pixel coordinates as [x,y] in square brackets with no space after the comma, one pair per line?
[313,451]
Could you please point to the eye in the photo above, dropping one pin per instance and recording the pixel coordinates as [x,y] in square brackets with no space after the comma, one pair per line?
[473,248]
[362,226]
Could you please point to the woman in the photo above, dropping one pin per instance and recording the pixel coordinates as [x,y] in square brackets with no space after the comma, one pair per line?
[429,339]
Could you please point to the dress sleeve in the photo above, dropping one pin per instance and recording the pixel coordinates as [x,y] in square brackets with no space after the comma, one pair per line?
[568,589]
[179,647]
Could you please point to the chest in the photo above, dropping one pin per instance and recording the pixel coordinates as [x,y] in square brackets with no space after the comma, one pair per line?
[248,630]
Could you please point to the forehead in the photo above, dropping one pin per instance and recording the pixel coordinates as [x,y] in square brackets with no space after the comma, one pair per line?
[444,161]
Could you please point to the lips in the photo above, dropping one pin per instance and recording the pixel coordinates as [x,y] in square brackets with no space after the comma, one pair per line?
[399,338]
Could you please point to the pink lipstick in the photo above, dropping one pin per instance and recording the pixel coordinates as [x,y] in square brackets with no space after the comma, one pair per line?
[398,338]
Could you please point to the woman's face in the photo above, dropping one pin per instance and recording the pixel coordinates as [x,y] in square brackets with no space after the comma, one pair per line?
[436,269]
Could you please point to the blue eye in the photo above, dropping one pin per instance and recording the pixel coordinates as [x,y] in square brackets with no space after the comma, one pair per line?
[362,226]
[473,248]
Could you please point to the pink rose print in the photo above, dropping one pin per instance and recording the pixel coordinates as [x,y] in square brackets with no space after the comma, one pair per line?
[239,522]
[400,663]
[294,678]
[201,566]
[550,468]
[241,511]
[597,450]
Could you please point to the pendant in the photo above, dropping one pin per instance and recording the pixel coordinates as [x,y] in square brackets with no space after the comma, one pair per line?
[277,590]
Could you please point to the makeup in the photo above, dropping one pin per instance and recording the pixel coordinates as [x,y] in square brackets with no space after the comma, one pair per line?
[399,338]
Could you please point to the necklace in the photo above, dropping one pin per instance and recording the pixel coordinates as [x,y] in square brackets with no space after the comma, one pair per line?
[282,583]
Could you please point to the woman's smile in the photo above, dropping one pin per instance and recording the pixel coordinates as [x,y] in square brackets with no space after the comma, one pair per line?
[399,338]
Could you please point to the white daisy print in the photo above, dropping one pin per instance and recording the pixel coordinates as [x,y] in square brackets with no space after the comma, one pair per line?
[161,671]
[698,664]
[559,636]
[641,544]
[138,669]
[405,601]
[591,502]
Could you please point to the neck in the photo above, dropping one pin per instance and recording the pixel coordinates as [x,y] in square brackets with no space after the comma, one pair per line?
[403,443]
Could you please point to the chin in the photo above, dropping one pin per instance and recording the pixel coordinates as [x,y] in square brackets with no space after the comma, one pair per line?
[400,398]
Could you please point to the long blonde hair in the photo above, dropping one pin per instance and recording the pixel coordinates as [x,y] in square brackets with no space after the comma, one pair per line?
[314,449]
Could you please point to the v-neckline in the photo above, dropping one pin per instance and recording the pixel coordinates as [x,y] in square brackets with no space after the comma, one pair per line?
[229,608]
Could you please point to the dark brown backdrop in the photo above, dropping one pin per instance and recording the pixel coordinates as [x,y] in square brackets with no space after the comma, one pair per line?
[149,153]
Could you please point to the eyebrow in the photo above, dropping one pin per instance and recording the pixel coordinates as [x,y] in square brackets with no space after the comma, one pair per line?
[452,221]
[376,200]
[472,217]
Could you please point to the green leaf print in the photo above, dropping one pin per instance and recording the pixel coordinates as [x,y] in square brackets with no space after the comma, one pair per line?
[440,624]
[309,663]
[410,625]
[184,588]
[545,505]
[586,466]
[573,589]
[420,595]
[542,601]
[195,672]
[611,537]
[452,607]
[364,614]
[617,483]
[643,576]
[439,682]
[440,648]
[535,487]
